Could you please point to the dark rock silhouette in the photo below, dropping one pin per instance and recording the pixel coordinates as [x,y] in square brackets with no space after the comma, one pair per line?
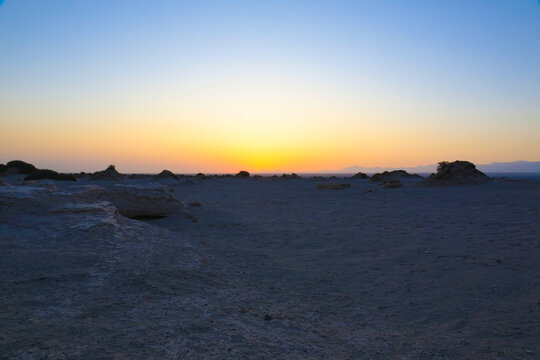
[359,175]
[242,174]
[2,183]
[456,173]
[50,174]
[390,175]
[333,186]
[391,184]
[17,167]
[166,174]
[108,174]
[291,176]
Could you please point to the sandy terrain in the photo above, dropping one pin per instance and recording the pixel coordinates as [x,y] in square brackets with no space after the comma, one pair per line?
[273,269]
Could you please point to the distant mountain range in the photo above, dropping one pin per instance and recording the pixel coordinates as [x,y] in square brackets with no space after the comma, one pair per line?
[496,167]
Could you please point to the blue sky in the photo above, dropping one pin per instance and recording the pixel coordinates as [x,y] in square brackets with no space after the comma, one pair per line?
[253,79]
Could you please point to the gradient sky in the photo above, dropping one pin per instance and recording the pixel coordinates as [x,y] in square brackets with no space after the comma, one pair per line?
[219,86]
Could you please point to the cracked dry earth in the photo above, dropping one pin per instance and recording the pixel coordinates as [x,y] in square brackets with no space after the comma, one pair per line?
[273,269]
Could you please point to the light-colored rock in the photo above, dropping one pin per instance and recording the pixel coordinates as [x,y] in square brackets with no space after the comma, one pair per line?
[137,201]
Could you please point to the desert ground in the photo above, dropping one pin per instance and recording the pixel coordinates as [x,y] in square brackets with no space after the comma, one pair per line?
[270,268]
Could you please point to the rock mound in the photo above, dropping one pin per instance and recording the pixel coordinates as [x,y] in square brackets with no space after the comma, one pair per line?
[17,167]
[333,186]
[359,175]
[456,173]
[108,174]
[166,174]
[391,175]
[140,202]
[49,174]
[242,174]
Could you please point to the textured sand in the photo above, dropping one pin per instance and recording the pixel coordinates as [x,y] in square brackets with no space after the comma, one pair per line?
[407,273]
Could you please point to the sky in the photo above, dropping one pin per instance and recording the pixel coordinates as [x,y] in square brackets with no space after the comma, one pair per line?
[220,86]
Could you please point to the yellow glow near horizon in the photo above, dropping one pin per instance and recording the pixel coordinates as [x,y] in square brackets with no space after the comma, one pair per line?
[271,86]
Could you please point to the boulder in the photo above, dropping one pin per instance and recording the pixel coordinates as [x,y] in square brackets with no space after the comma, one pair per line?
[456,173]
[395,174]
[139,202]
[333,186]
[359,175]
[108,174]
[242,174]
[166,174]
[49,174]
[391,184]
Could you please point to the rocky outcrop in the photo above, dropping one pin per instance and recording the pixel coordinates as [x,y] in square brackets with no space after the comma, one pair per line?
[456,173]
[138,202]
[242,174]
[391,175]
[49,174]
[17,167]
[359,175]
[333,186]
[166,174]
[108,174]
[391,184]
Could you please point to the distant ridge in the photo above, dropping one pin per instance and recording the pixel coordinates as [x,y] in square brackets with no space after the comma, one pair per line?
[496,167]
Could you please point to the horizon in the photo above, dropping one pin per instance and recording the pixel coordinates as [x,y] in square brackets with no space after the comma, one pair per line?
[420,169]
[268,87]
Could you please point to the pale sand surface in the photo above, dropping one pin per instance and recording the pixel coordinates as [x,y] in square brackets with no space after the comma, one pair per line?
[407,273]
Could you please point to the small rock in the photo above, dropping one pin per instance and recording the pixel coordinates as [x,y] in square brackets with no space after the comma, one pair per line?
[391,184]
[267,317]
[194,204]
[333,186]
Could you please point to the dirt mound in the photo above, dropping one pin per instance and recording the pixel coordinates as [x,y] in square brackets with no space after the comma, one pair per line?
[456,173]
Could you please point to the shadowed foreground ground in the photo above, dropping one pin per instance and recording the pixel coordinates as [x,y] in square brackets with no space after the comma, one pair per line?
[278,269]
